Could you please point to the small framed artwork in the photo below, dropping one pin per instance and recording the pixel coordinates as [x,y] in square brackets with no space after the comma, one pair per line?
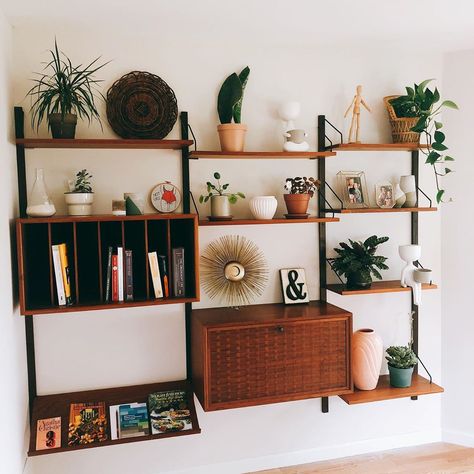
[293,285]
[384,195]
[165,197]
[353,189]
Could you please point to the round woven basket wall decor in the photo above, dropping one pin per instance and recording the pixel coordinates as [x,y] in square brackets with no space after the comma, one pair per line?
[141,105]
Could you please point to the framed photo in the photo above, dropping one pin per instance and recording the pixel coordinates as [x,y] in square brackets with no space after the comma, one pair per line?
[353,189]
[293,285]
[384,195]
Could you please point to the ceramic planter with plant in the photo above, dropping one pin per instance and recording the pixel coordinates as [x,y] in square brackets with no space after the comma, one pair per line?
[401,361]
[358,262]
[229,108]
[221,199]
[423,106]
[62,92]
[300,190]
[80,197]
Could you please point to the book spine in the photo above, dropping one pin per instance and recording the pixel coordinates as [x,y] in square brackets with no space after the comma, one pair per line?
[120,272]
[58,275]
[155,274]
[108,283]
[128,275]
[178,272]
[65,272]
[114,278]
[163,267]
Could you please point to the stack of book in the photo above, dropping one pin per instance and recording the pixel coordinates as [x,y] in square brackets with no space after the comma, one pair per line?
[62,274]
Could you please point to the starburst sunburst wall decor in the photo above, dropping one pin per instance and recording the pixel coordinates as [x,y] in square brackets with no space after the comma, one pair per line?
[234,270]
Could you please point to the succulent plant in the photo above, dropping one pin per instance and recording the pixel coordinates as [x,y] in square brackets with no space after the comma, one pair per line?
[231,94]
[302,185]
[82,183]
[219,190]
[401,357]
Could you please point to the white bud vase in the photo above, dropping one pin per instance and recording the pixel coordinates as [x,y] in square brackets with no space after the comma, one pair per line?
[263,207]
[367,356]
[408,186]
[399,196]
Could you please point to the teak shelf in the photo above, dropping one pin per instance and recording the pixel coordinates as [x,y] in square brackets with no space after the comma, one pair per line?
[377,210]
[104,143]
[378,147]
[49,406]
[302,155]
[278,220]
[384,391]
[389,286]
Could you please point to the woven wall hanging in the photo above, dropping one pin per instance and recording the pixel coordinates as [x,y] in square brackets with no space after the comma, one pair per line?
[141,105]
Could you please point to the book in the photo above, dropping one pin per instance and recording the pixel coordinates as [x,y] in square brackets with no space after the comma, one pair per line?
[163,266]
[133,420]
[66,273]
[58,275]
[87,423]
[114,278]
[48,433]
[128,275]
[177,257]
[169,411]
[120,272]
[108,282]
[155,274]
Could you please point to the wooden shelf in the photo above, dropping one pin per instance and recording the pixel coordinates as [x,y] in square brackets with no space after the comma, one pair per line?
[378,147]
[389,286]
[384,391]
[376,210]
[49,406]
[258,155]
[309,220]
[105,143]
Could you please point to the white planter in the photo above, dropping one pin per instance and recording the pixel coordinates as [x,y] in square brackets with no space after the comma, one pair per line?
[220,206]
[79,204]
[263,207]
[408,186]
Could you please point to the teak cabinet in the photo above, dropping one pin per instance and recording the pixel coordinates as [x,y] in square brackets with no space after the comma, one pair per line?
[270,353]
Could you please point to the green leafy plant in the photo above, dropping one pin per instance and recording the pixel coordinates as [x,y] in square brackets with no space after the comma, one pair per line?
[65,89]
[82,183]
[231,94]
[401,357]
[219,189]
[303,185]
[359,258]
[422,102]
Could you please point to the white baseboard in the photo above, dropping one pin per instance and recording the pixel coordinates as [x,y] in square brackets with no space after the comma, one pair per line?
[458,437]
[318,454]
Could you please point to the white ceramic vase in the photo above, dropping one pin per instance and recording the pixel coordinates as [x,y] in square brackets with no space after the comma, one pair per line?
[367,356]
[220,206]
[408,186]
[398,195]
[263,207]
[79,204]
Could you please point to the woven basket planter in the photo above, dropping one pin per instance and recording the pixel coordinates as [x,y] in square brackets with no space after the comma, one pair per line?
[401,126]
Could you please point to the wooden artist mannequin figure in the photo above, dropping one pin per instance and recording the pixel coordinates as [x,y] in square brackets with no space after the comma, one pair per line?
[357,101]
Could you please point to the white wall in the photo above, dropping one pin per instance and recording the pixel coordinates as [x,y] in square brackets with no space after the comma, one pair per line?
[457,255]
[13,392]
[324,81]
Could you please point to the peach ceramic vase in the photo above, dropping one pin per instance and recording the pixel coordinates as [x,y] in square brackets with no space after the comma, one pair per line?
[367,355]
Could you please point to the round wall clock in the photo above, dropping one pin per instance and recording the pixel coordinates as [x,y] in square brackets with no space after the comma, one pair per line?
[165,197]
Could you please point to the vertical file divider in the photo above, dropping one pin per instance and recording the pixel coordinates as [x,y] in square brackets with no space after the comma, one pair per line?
[51,266]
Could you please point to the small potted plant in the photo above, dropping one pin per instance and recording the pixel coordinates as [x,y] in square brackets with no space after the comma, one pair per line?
[401,361]
[300,190]
[80,197]
[220,199]
[358,262]
[229,107]
[62,92]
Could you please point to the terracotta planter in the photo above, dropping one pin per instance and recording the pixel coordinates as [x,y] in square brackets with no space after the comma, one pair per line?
[367,356]
[232,136]
[63,126]
[297,203]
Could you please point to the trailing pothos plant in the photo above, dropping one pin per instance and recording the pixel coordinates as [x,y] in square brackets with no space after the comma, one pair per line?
[420,101]
[219,189]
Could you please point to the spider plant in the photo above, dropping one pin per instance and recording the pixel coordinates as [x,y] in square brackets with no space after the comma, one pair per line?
[65,89]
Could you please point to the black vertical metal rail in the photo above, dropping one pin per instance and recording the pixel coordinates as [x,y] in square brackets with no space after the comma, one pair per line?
[22,204]
[322,226]
[186,209]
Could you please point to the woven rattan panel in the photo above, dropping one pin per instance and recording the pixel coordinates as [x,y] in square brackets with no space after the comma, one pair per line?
[291,358]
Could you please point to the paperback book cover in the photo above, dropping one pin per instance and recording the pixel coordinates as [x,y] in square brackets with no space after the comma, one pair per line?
[178,272]
[115,278]
[48,433]
[128,275]
[155,274]
[66,272]
[163,266]
[87,423]
[129,420]
[120,272]
[58,275]
[169,411]
[108,283]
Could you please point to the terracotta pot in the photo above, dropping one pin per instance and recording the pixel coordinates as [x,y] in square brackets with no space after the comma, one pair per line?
[232,136]
[297,203]
[367,356]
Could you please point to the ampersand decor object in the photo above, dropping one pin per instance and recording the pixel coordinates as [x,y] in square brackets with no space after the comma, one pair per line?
[234,270]
[293,284]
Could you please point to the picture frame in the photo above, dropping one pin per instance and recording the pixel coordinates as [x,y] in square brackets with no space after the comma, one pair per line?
[293,285]
[353,189]
[384,195]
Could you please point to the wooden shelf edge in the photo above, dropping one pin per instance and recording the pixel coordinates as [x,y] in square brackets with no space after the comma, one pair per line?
[266,222]
[260,154]
[378,147]
[388,286]
[384,391]
[377,210]
[102,217]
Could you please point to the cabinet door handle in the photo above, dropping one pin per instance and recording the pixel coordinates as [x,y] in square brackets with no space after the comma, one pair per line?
[280,329]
